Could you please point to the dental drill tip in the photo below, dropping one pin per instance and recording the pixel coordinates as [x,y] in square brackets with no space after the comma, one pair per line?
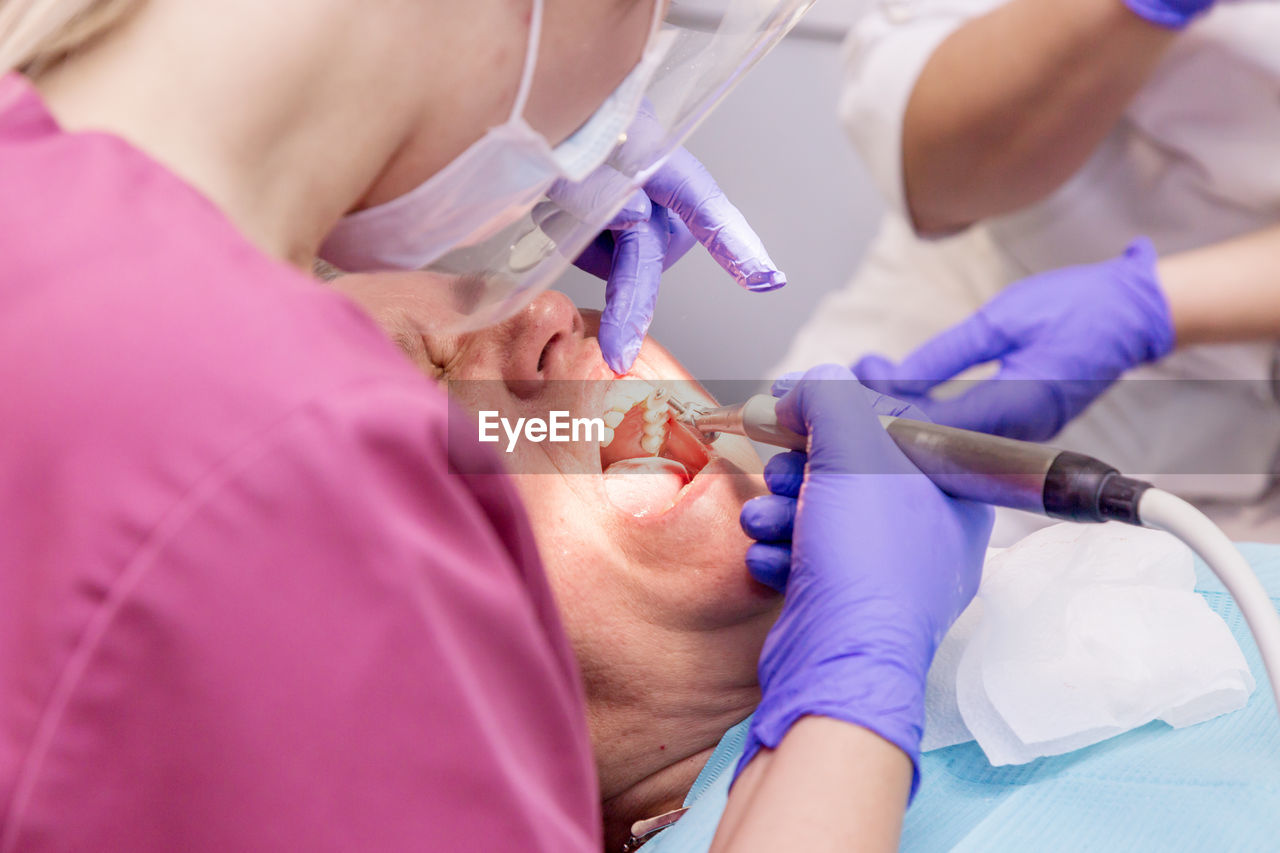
[689,417]
[681,410]
[688,414]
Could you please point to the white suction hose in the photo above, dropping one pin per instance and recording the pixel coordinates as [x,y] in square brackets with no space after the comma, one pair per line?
[1164,511]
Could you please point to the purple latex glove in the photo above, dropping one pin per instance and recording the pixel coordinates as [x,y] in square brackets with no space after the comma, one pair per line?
[680,205]
[1061,337]
[1173,14]
[881,564]
[769,518]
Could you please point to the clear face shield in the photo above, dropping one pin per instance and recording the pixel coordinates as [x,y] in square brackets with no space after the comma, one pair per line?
[697,52]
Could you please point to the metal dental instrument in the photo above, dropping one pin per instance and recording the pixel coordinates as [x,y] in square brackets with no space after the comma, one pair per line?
[964,464]
[1035,478]
[688,413]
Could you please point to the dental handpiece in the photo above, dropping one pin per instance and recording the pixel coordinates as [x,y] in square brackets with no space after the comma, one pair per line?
[964,464]
[1036,478]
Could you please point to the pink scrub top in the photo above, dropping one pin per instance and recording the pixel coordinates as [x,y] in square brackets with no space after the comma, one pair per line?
[244,603]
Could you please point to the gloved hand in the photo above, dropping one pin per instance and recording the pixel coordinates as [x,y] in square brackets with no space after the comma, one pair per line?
[769,518]
[881,563]
[680,205]
[1173,14]
[1061,337]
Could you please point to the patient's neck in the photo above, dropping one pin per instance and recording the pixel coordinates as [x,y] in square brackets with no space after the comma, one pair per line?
[654,724]
[657,794]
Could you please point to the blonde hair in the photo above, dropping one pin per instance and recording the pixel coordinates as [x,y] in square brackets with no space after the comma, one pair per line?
[37,34]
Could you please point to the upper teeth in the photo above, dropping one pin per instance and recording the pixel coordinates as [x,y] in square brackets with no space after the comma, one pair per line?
[655,412]
[623,396]
[625,393]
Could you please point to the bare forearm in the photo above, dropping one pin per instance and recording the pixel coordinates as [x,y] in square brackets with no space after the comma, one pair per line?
[1226,292]
[1014,102]
[830,785]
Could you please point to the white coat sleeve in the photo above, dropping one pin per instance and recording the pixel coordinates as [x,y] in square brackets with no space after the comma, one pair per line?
[883,56]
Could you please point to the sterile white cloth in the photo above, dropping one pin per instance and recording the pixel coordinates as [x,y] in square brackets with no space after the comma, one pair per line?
[1080,633]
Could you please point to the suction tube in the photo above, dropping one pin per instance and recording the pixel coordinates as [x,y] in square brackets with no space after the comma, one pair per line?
[1044,480]
[1163,511]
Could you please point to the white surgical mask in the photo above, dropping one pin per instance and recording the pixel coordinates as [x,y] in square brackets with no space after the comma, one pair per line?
[494,182]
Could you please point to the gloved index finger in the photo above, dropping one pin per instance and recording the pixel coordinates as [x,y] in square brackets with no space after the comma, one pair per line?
[846,437]
[686,187]
[971,342]
[893,407]
[881,403]
[632,290]
[785,382]
[1007,404]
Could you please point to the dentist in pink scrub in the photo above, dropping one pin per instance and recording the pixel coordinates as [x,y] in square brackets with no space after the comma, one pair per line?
[244,603]
[258,590]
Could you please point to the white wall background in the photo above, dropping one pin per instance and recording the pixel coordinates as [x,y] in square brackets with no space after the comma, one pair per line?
[777,149]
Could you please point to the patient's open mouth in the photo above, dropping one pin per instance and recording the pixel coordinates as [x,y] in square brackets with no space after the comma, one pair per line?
[647,457]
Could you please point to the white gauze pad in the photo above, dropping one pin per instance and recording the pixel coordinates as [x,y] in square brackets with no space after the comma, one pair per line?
[1079,633]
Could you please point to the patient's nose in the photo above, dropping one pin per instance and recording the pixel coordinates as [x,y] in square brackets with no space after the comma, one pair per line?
[542,337]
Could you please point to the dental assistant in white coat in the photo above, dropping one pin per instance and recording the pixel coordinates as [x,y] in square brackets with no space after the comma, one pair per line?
[1014,138]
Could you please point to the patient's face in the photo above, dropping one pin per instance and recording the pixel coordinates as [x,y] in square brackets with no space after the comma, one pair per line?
[662,547]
